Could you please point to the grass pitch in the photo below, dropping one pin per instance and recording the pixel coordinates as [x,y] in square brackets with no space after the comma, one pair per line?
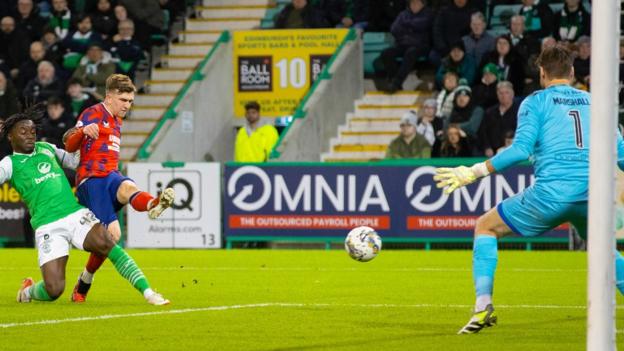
[303,300]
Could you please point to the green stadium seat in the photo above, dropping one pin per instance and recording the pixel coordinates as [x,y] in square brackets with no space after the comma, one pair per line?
[374,44]
[501,16]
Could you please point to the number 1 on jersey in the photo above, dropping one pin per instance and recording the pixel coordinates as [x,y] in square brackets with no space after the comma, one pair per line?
[576,116]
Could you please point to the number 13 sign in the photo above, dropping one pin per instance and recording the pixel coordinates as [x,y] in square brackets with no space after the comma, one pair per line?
[277,67]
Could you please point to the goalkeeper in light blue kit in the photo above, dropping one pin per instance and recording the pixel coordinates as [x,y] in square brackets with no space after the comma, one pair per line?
[553,128]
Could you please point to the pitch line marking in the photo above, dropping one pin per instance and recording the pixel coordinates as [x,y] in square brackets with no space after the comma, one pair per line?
[300,269]
[272,304]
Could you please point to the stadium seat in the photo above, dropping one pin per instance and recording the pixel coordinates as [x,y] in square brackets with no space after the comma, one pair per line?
[374,44]
[501,16]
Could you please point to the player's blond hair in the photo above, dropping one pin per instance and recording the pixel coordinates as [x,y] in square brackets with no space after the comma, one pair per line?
[119,84]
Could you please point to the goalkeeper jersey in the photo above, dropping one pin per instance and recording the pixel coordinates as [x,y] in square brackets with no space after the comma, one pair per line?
[553,128]
[39,179]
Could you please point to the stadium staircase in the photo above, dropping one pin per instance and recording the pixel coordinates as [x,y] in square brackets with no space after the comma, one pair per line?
[370,128]
[195,41]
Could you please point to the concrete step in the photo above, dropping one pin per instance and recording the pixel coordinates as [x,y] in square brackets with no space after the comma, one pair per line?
[133,138]
[171,73]
[199,36]
[164,86]
[181,61]
[138,126]
[148,111]
[222,23]
[237,2]
[127,153]
[190,48]
[399,98]
[370,125]
[360,147]
[373,110]
[231,11]
[378,138]
[352,156]
[154,99]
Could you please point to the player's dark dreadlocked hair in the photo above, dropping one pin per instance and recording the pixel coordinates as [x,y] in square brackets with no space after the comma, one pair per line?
[34,113]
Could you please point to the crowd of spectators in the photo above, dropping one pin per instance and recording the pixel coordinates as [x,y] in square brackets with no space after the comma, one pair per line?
[480,76]
[59,52]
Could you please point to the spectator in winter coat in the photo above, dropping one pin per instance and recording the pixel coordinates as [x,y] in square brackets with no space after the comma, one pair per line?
[148,18]
[582,62]
[28,69]
[76,99]
[300,14]
[484,92]
[57,121]
[28,20]
[478,42]
[450,25]
[466,113]
[126,51]
[457,61]
[77,42]
[538,18]
[411,30]
[383,13]
[409,144]
[60,19]
[14,48]
[94,69]
[499,119]
[103,19]
[445,98]
[9,102]
[572,21]
[44,85]
[508,62]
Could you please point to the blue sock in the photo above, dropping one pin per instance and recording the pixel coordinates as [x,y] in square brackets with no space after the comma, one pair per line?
[484,259]
[619,272]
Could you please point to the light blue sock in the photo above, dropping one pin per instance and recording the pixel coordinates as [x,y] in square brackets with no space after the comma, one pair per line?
[484,259]
[619,272]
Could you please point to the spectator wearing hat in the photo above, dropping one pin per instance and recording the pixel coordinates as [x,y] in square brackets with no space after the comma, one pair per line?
[508,62]
[499,119]
[572,22]
[478,42]
[582,62]
[412,33]
[454,143]
[466,114]
[425,125]
[538,18]
[256,138]
[409,143]
[93,70]
[457,61]
[484,92]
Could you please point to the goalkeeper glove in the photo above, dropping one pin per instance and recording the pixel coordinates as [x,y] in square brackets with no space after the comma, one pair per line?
[453,178]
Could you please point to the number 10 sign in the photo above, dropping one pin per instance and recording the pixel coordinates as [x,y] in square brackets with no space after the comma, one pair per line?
[277,67]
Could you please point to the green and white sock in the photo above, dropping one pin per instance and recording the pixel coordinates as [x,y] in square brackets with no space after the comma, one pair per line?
[38,292]
[125,265]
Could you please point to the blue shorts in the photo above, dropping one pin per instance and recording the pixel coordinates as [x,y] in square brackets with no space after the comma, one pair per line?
[529,214]
[100,196]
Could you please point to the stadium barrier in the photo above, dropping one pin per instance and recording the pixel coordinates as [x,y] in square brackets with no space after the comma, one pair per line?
[321,202]
[198,124]
[325,106]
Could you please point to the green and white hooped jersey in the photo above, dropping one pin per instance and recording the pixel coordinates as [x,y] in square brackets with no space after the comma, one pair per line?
[40,180]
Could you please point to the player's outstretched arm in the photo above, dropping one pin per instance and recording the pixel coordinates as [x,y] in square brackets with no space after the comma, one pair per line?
[456,177]
[72,139]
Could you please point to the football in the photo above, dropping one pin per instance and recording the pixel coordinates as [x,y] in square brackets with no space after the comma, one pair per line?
[363,244]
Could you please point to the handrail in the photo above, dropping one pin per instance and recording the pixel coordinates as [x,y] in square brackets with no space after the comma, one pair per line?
[171,112]
[299,111]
